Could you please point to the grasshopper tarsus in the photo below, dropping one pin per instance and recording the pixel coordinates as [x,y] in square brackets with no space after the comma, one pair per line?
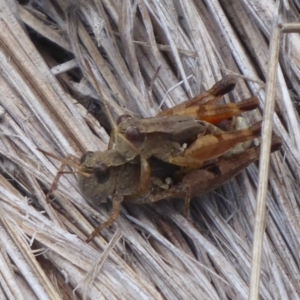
[249,104]
[224,86]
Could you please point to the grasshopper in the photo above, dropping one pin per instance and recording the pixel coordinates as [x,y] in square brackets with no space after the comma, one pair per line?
[182,144]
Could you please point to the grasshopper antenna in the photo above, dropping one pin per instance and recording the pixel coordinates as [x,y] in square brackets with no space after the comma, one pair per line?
[115,137]
[102,96]
[117,140]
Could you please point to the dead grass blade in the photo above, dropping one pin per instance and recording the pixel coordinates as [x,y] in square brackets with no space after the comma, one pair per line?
[143,53]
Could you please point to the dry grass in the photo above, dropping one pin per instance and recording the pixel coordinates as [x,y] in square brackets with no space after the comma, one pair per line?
[150,253]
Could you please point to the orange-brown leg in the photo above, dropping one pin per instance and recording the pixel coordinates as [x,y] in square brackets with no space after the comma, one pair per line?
[197,182]
[214,145]
[219,89]
[203,106]
[217,113]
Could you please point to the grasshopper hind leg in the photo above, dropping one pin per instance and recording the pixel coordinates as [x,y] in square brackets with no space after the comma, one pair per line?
[212,146]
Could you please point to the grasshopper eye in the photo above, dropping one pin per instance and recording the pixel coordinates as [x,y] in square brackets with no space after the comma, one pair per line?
[85,156]
[101,172]
[123,118]
[133,134]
